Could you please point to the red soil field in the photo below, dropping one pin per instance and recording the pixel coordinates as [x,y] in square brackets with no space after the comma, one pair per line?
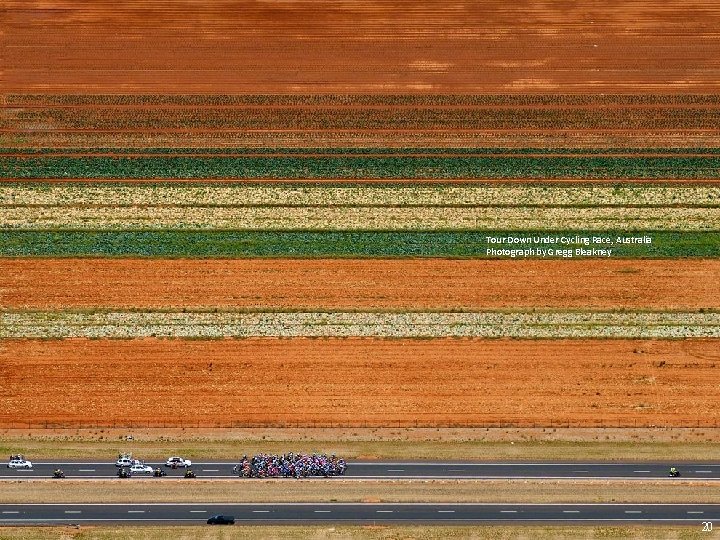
[391,46]
[359,284]
[360,382]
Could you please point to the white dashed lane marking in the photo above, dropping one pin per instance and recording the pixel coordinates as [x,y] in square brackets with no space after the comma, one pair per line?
[10,512]
[384,511]
[73,511]
[633,511]
[198,511]
[446,511]
[323,511]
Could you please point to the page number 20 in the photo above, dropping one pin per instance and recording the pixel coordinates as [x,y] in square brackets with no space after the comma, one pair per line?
[707,526]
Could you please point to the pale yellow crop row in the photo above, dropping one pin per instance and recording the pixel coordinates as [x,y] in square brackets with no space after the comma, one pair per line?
[199,195]
[657,325]
[359,218]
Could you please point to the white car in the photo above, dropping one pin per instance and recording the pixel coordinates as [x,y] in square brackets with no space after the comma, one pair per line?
[140,468]
[124,462]
[178,462]
[19,464]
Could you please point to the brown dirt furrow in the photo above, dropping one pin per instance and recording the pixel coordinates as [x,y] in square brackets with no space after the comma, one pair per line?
[114,107]
[538,117]
[362,139]
[360,382]
[359,284]
[344,155]
[376,46]
[353,131]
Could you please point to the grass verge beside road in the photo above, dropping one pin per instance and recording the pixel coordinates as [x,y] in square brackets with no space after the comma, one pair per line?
[349,491]
[346,532]
[448,444]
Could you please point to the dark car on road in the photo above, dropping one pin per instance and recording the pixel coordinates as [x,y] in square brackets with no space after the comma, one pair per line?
[221,520]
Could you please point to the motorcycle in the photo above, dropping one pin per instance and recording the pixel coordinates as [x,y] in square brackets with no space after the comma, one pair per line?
[674,473]
[189,474]
[123,473]
[159,473]
[58,474]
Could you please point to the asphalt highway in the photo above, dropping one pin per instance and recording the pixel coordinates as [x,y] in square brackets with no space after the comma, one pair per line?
[406,470]
[359,513]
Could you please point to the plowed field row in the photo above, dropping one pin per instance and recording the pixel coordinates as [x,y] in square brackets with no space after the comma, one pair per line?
[327,284]
[374,46]
[361,118]
[554,139]
[551,325]
[361,381]
[354,100]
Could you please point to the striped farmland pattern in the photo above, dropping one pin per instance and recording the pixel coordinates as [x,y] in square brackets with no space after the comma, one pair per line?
[541,244]
[360,259]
